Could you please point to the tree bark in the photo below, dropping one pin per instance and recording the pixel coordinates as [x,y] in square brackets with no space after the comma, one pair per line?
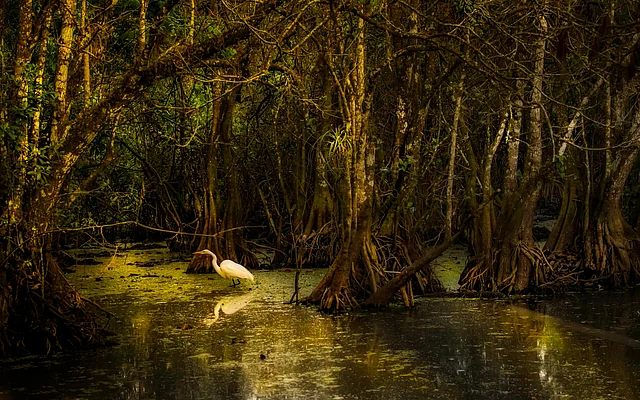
[357,256]
[321,210]
[209,212]
[60,110]
[512,263]
[457,114]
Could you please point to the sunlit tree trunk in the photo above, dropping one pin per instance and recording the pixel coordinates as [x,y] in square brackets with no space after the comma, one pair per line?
[357,258]
[142,29]
[40,70]
[192,22]
[22,59]
[513,144]
[61,110]
[86,62]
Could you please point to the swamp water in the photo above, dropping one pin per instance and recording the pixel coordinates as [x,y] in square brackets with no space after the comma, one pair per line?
[194,337]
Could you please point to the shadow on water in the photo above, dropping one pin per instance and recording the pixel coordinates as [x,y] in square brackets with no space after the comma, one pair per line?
[192,337]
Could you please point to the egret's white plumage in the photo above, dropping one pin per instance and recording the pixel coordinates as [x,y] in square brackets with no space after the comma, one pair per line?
[227,268]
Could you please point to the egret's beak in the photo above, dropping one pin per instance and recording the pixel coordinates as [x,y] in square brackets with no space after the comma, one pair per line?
[197,252]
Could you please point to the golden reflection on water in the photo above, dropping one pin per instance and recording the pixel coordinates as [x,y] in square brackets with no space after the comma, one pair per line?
[191,336]
[559,350]
[277,350]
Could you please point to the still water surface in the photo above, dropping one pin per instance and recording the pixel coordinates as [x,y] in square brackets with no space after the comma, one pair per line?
[193,337]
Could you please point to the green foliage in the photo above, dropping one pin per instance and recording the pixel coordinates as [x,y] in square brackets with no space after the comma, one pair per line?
[411,207]
[174,24]
[404,165]
[464,7]
[560,164]
[10,134]
[229,52]
[214,30]
[39,165]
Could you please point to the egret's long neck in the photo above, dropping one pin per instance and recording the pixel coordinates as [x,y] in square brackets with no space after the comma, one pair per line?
[214,262]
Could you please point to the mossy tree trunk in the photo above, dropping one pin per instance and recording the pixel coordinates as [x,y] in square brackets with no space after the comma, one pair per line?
[230,244]
[233,243]
[596,229]
[611,245]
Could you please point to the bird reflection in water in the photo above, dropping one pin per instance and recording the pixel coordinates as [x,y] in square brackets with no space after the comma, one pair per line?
[228,305]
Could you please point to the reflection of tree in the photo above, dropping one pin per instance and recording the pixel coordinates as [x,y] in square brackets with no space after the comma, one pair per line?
[457,347]
[567,362]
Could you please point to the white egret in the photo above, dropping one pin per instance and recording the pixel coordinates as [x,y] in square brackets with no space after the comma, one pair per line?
[228,268]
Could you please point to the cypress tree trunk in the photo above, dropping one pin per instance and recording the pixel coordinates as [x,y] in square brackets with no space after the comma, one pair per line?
[233,243]
[208,211]
[604,246]
[511,262]
[230,245]
[321,211]
[356,264]
[611,245]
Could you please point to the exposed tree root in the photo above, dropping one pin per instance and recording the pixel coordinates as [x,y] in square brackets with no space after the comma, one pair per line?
[381,271]
[320,247]
[334,293]
[613,252]
[394,258]
[336,301]
[506,272]
[402,281]
[553,272]
[351,276]
[45,313]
